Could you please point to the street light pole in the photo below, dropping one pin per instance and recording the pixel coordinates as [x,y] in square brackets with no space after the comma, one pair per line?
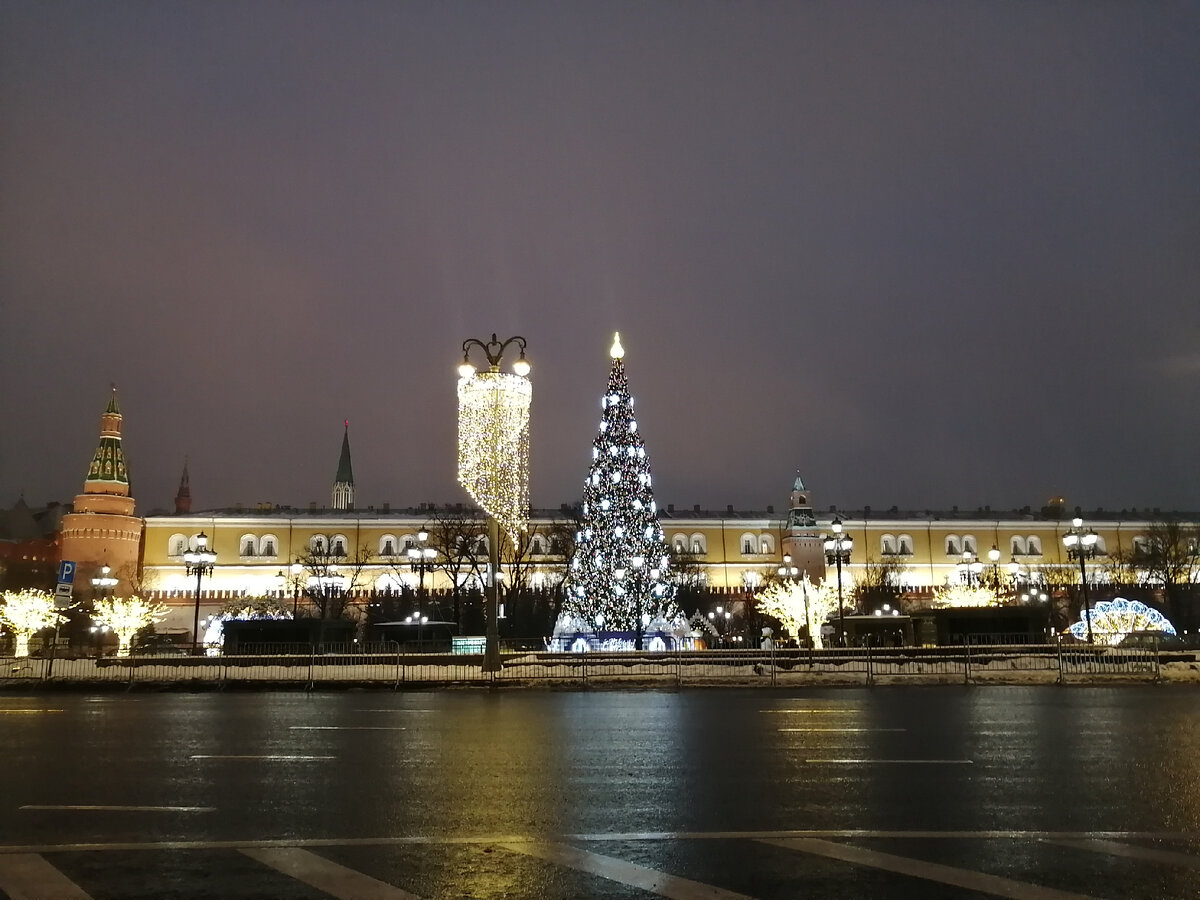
[199,562]
[837,548]
[489,472]
[1081,545]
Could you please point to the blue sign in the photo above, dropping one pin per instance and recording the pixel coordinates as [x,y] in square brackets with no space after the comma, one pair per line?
[66,572]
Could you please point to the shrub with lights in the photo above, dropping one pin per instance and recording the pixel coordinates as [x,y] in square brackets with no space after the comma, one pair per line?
[242,609]
[619,589]
[25,613]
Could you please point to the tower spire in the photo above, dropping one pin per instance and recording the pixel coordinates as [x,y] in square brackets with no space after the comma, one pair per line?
[183,499]
[343,483]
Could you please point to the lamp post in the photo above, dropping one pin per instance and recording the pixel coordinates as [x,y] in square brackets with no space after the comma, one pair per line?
[837,550]
[494,410]
[1081,545]
[199,562]
[419,557]
[994,559]
[969,569]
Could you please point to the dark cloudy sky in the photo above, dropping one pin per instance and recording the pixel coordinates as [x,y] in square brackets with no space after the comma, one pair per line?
[928,253]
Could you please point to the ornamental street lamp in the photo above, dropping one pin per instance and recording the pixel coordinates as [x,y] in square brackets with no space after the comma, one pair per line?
[419,557]
[104,582]
[493,457]
[994,559]
[837,550]
[292,576]
[969,569]
[1081,545]
[199,562]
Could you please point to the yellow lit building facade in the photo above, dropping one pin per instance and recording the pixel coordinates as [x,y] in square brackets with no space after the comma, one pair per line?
[257,551]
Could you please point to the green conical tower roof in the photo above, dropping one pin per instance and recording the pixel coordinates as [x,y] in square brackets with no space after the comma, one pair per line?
[345,472]
[108,463]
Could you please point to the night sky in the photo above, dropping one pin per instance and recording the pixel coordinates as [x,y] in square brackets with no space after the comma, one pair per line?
[930,254]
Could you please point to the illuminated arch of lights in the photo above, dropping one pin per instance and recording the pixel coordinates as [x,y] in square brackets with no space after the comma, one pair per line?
[1115,620]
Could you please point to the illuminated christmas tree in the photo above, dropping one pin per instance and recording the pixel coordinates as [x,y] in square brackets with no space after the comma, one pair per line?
[619,577]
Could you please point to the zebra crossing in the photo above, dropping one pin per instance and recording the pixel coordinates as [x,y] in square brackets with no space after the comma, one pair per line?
[687,866]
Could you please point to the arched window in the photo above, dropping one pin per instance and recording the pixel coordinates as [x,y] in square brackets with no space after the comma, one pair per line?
[387,545]
[1100,547]
[952,545]
[766,544]
[247,545]
[905,545]
[177,545]
[318,544]
[337,545]
[1034,545]
[536,546]
[680,543]
[1018,545]
[698,543]
[887,545]
[481,545]
[408,542]
[749,545]
[268,545]
[557,547]
[969,545]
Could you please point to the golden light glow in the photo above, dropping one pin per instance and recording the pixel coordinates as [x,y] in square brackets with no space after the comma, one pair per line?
[25,613]
[126,616]
[962,596]
[617,350]
[493,446]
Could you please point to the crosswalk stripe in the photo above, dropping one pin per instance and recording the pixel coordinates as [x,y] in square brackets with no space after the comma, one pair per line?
[627,873]
[27,876]
[1132,851]
[326,875]
[902,865]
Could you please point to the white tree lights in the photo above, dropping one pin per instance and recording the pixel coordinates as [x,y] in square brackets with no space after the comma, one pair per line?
[619,577]
[800,606]
[25,613]
[126,616]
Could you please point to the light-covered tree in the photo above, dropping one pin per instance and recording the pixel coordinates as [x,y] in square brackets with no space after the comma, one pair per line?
[27,612]
[800,606]
[126,616]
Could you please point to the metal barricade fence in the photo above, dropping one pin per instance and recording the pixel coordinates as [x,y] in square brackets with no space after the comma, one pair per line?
[1137,660]
[395,665]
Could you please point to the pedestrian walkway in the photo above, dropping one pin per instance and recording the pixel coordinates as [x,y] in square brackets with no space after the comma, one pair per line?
[888,865]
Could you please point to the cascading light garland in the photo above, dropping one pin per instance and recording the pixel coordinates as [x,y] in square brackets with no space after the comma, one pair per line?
[619,575]
[493,445]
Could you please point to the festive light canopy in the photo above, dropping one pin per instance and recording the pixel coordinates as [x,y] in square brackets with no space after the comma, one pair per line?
[619,576]
[493,445]
[1115,620]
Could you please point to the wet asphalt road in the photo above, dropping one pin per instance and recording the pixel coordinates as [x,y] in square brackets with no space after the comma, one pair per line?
[434,792]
